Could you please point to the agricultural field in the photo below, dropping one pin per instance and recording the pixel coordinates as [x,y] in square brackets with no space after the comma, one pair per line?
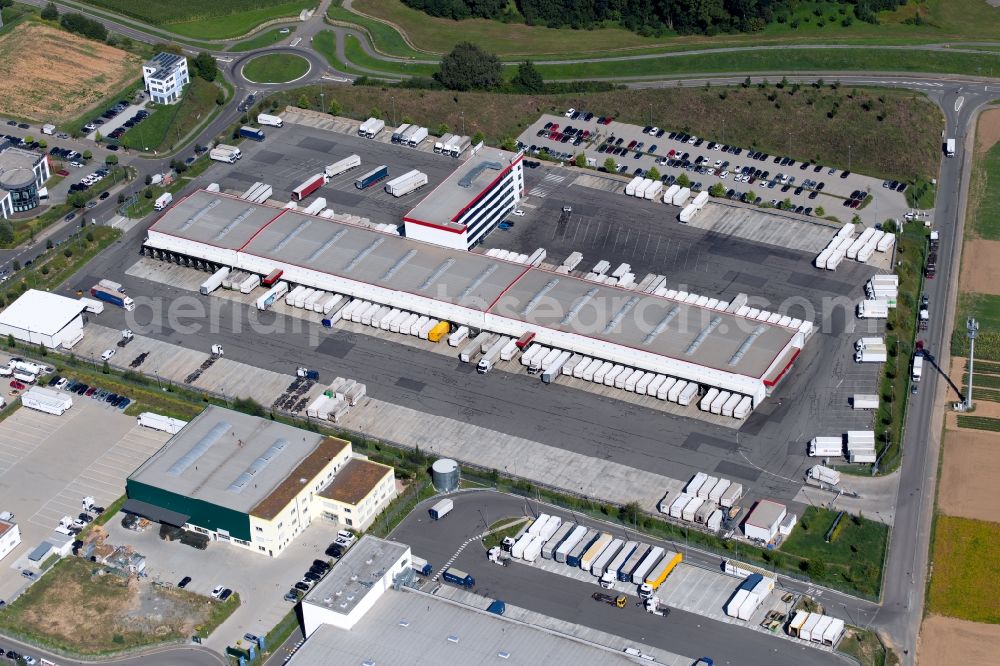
[965,579]
[984,201]
[814,21]
[48,75]
[80,607]
[792,121]
[221,19]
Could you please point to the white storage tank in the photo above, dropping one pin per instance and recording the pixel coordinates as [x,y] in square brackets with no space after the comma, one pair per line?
[446,474]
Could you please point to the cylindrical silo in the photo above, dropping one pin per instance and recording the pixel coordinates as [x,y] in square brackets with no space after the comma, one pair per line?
[445,474]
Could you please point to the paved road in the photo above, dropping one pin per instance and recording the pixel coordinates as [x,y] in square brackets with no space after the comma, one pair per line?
[185,655]
[569,599]
[903,591]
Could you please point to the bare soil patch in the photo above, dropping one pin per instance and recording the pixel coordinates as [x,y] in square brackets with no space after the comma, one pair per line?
[945,640]
[989,130]
[48,75]
[979,261]
[969,471]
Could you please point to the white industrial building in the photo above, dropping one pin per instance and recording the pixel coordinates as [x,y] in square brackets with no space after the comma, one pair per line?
[354,585]
[469,203]
[42,318]
[10,534]
[165,76]
[718,346]
[765,520]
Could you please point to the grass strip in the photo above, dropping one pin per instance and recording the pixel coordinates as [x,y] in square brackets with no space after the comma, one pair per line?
[978,423]
[262,40]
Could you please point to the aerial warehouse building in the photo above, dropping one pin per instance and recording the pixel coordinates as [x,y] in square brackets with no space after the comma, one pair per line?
[700,347]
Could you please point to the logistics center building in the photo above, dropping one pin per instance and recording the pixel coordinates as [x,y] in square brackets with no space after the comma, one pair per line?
[710,346]
[471,202]
[246,480]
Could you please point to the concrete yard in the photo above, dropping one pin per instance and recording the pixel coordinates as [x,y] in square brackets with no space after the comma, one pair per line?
[48,464]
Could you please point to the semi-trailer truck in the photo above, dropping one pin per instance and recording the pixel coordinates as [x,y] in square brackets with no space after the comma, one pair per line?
[212,283]
[251,133]
[310,185]
[453,575]
[441,509]
[375,175]
[872,354]
[918,367]
[410,181]
[113,297]
[822,447]
[949,147]
[342,166]
[272,294]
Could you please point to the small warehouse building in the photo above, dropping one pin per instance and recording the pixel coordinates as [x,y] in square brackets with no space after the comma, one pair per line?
[764,521]
[358,494]
[470,203]
[352,587]
[22,179]
[241,479]
[43,318]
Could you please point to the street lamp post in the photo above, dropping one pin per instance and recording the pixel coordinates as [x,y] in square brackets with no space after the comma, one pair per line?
[322,101]
[972,329]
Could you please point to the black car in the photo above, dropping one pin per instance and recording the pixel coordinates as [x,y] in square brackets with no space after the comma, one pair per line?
[111,398]
[24,125]
[184,582]
[901,187]
[845,174]
[309,575]
[226,593]
[301,586]
[112,147]
[813,194]
[320,564]
[55,378]
[12,123]
[70,217]
[13,655]
[85,517]
[104,195]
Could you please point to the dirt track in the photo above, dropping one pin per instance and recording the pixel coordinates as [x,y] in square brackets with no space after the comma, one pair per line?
[944,640]
[48,75]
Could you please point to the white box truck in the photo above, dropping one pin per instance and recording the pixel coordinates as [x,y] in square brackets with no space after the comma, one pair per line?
[46,400]
[864,401]
[873,309]
[269,120]
[822,447]
[872,354]
[163,201]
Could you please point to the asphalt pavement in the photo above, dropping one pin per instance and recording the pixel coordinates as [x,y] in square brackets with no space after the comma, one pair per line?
[569,599]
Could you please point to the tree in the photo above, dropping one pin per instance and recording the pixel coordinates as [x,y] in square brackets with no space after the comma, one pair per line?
[683,180]
[48,244]
[653,174]
[581,160]
[629,514]
[149,179]
[220,99]
[105,368]
[303,102]
[43,144]
[478,137]
[205,67]
[78,200]
[81,25]
[610,165]
[6,233]
[718,190]
[468,67]
[442,129]
[50,12]
[820,212]
[528,79]
[11,342]
[87,155]
[98,137]
[111,160]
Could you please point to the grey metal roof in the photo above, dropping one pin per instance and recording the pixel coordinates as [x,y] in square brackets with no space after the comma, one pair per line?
[406,627]
[217,448]
[459,189]
[644,322]
[351,578]
[16,167]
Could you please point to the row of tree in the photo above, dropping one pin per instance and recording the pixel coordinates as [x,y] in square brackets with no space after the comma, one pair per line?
[75,22]
[646,16]
[469,67]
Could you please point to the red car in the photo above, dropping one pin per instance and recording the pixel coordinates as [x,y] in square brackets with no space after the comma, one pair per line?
[62,172]
[14,384]
[90,391]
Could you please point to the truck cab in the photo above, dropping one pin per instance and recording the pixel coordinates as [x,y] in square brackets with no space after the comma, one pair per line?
[484,366]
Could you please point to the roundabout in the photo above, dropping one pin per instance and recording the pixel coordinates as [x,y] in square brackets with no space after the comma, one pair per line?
[275,68]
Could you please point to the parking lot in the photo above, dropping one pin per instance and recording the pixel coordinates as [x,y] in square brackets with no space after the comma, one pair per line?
[772,178]
[260,581]
[289,155]
[48,464]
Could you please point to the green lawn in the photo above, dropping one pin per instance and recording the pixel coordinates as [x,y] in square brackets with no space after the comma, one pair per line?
[275,68]
[169,123]
[792,121]
[921,193]
[357,56]
[961,20]
[496,538]
[325,43]
[965,578]
[978,422]
[220,19]
[263,40]
[855,555]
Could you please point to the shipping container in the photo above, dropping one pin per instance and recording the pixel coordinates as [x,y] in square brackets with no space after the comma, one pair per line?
[708,399]
[654,386]
[595,550]
[272,278]
[517,551]
[644,382]
[534,549]
[374,176]
[588,372]
[743,409]
[442,142]
[251,133]
[730,405]
[159,422]
[691,507]
[575,555]
[371,128]
[460,334]
[715,494]
[397,135]
[555,368]
[556,540]
[309,186]
[420,565]
[624,553]
[675,390]
[731,496]
[601,562]
[688,394]
[632,563]
[570,543]
[824,474]
[441,509]
[651,560]
[719,400]
[343,166]
[212,283]
[417,137]
[705,489]
[864,401]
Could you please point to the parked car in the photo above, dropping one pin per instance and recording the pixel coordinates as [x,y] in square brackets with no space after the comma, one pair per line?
[226,593]
[217,590]
[184,582]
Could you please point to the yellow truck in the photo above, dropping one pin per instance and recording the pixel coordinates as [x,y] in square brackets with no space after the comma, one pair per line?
[662,570]
[442,329]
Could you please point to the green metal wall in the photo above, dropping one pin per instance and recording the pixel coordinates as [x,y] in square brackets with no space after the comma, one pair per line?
[203,514]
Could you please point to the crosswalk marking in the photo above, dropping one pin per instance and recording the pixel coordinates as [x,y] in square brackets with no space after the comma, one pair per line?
[548,183]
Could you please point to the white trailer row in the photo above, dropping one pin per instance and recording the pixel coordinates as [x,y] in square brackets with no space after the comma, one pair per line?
[845,245]
[816,628]
[371,128]
[258,193]
[723,402]
[410,181]
[338,398]
[507,255]
[749,596]
[383,317]
[860,446]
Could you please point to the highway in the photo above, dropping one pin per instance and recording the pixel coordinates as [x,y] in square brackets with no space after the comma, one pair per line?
[961,98]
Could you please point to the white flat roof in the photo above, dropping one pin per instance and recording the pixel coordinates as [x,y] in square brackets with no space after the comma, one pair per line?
[416,629]
[41,312]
